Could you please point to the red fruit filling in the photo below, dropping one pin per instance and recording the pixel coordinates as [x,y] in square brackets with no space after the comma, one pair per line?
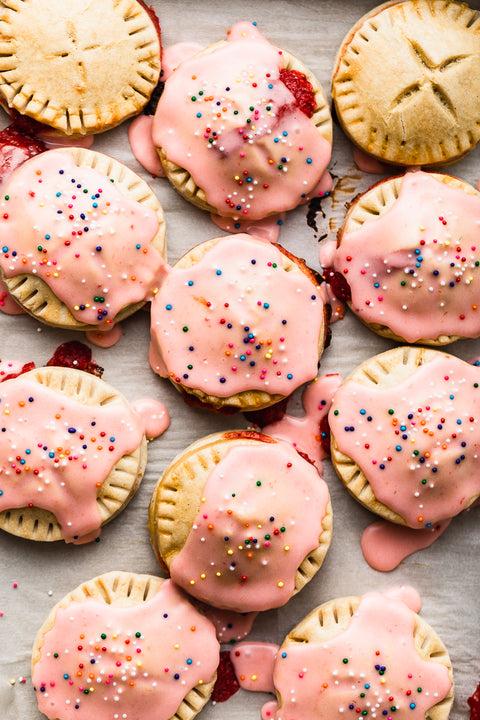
[76,355]
[301,89]
[474,704]
[226,684]
[25,368]
[268,415]
[16,146]
[340,287]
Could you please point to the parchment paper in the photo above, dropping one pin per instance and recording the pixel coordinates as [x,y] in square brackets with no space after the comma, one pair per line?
[35,576]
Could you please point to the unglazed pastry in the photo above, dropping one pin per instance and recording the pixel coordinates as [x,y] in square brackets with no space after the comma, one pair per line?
[238,324]
[143,652]
[404,435]
[241,521]
[79,68]
[82,239]
[409,252]
[233,138]
[72,454]
[401,82]
[362,656]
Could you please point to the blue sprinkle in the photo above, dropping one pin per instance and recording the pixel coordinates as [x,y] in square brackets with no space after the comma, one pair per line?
[72,430]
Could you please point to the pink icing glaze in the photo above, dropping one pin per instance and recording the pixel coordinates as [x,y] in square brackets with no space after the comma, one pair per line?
[224,148]
[175,54]
[368,164]
[406,594]
[266,229]
[259,496]
[112,260]
[417,442]
[416,268]
[305,433]
[153,654]
[154,415]
[10,368]
[53,454]
[326,258]
[234,286]
[372,665]
[105,339]
[384,545]
[141,143]
[7,303]
[230,626]
[253,663]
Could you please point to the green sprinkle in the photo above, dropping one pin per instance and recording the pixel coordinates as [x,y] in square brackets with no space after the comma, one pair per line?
[390,412]
[345,661]
[259,482]
[185,328]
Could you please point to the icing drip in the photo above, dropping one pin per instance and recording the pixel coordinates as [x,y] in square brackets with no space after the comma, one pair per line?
[306,433]
[229,120]
[253,663]
[139,661]
[236,320]
[250,534]
[384,545]
[415,269]
[72,228]
[417,442]
[371,668]
[55,453]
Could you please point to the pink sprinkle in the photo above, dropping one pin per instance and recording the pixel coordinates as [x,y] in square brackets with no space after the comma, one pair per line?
[380,297]
[52,684]
[242,154]
[267,544]
[139,650]
[15,585]
[374,462]
[166,669]
[301,147]
[205,516]
[362,272]
[118,663]
[446,377]
[234,367]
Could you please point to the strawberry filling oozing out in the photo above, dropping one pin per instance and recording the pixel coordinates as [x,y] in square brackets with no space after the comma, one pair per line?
[25,368]
[226,684]
[339,285]
[16,146]
[75,355]
[474,704]
[301,89]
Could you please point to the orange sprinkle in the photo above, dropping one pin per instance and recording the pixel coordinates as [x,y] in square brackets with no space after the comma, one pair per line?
[420,518]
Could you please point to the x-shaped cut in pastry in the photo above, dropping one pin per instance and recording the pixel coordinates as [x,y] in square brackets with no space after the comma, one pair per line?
[429,81]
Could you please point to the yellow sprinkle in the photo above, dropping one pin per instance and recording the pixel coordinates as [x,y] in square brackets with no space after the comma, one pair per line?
[203,576]
[176,646]
[12,681]
[280,584]
[192,582]
[421,228]
[253,677]
[286,548]
[218,574]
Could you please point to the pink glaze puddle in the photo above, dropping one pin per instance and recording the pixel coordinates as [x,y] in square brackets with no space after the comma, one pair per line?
[141,144]
[385,545]
[304,433]
[154,415]
[104,339]
[253,663]
[175,54]
[267,229]
[368,164]
[229,625]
